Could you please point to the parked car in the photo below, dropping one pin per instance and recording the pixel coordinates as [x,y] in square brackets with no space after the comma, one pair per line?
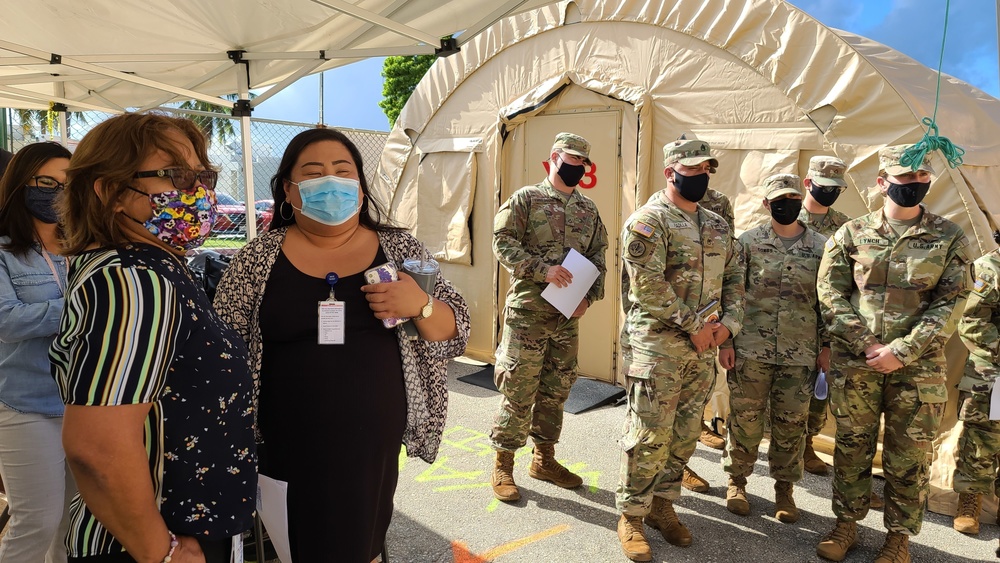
[231,215]
[265,212]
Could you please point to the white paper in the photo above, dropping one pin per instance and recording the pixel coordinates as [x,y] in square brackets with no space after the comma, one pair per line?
[272,506]
[995,402]
[567,299]
[237,549]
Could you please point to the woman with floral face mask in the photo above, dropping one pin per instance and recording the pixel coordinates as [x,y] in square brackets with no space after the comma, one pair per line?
[152,378]
[32,285]
[334,405]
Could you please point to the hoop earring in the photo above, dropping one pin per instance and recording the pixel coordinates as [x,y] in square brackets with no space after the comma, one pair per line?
[281,211]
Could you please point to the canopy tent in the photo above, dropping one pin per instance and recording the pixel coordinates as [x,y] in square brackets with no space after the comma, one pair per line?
[117,56]
[766,84]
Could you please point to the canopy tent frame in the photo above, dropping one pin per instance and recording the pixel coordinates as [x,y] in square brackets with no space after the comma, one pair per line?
[62,69]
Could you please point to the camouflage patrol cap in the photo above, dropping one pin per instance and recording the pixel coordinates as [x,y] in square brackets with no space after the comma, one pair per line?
[572,144]
[827,171]
[689,152]
[889,161]
[782,184]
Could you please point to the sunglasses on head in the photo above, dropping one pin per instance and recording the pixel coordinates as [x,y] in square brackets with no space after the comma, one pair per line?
[47,183]
[183,178]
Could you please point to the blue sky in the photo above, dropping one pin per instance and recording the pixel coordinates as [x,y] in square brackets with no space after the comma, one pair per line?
[913,27]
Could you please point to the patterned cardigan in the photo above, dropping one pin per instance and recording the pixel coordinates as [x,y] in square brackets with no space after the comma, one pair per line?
[425,364]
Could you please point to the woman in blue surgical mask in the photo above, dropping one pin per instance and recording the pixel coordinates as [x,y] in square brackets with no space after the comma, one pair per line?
[338,393]
[32,284]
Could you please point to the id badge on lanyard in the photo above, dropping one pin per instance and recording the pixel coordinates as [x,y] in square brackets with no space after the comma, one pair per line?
[331,316]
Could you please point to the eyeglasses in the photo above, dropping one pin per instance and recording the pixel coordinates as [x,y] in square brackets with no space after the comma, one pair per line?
[47,183]
[183,178]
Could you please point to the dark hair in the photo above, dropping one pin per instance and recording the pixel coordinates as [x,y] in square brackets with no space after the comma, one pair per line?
[15,220]
[372,215]
[111,154]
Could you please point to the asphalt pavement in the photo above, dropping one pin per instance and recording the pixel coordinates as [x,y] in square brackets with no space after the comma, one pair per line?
[445,512]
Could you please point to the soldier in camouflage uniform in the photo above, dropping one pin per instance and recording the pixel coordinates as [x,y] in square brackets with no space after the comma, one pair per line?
[824,183]
[718,203]
[888,285]
[537,356]
[683,272]
[979,444]
[782,343]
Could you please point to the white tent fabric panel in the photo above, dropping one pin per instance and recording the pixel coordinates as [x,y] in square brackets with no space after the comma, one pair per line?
[128,53]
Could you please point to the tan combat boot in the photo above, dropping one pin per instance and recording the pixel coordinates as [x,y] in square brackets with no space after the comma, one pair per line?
[710,438]
[838,542]
[662,517]
[784,505]
[736,496]
[967,518]
[545,467]
[812,463]
[693,482]
[896,549]
[503,478]
[633,539]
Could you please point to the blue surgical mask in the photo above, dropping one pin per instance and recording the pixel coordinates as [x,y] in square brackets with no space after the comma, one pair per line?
[330,200]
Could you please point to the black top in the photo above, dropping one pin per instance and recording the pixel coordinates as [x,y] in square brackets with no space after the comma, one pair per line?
[331,415]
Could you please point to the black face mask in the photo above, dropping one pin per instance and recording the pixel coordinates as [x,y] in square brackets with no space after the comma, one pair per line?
[691,188]
[786,211]
[41,203]
[570,173]
[908,195]
[822,197]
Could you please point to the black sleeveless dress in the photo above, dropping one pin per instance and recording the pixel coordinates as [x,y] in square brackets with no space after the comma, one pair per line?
[331,416]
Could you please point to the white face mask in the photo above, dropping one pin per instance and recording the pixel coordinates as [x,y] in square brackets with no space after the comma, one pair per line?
[330,200]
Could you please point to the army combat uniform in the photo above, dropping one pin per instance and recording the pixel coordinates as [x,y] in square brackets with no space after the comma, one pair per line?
[537,356]
[675,269]
[877,287]
[776,352]
[979,444]
[826,226]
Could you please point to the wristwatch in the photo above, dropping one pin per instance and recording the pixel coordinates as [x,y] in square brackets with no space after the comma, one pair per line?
[427,310]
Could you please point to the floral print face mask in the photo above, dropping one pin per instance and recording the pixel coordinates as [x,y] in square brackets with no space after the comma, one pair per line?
[182,219]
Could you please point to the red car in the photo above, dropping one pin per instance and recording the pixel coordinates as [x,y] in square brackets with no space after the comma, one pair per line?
[231,215]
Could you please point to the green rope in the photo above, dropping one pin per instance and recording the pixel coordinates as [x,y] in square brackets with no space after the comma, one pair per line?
[914,155]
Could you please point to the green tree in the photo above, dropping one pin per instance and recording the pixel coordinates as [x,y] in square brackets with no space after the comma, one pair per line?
[216,128]
[46,122]
[401,74]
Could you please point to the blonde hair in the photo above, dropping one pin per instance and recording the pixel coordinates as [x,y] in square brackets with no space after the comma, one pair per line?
[111,153]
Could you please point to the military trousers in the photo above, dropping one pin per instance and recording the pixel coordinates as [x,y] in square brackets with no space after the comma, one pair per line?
[757,390]
[666,400]
[817,416]
[912,400]
[535,370]
[978,446]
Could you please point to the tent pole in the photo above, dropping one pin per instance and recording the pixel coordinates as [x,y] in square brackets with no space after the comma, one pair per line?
[242,109]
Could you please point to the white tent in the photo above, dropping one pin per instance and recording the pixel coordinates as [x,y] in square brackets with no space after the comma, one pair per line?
[766,84]
[128,55]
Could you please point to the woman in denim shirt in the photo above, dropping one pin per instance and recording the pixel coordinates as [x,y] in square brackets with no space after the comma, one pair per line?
[32,283]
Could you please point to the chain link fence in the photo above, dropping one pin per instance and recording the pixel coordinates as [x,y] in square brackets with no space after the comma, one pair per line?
[268,141]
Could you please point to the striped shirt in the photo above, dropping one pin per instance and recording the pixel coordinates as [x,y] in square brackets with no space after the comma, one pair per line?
[137,330]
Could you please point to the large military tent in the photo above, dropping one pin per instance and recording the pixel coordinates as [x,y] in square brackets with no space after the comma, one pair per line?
[766,84]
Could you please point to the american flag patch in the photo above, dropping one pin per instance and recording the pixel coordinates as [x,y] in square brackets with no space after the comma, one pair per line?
[643,229]
[980,284]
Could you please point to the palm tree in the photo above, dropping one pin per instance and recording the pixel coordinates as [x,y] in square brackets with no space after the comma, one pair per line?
[216,128]
[46,122]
